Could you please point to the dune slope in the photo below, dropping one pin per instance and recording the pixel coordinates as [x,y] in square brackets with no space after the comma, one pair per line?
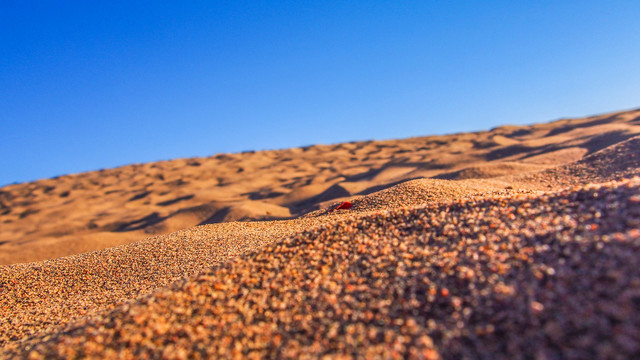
[531,252]
[48,300]
[73,214]
[499,277]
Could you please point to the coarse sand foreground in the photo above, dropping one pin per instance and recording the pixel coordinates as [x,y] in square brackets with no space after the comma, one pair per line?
[45,296]
[520,264]
[546,275]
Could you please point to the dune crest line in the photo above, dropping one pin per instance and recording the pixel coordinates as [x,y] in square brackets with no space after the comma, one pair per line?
[532,252]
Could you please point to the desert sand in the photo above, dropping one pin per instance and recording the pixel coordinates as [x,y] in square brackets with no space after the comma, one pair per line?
[73,214]
[518,242]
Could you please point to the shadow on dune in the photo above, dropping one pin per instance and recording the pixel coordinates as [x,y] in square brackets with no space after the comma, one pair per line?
[176,200]
[217,217]
[567,128]
[142,223]
[592,144]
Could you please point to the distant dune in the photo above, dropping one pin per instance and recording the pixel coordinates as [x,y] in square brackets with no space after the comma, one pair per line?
[518,242]
[77,213]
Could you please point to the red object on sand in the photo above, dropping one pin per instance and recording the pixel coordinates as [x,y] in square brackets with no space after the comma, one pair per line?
[344,205]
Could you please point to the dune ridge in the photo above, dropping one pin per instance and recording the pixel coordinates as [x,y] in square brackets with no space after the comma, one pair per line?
[72,214]
[500,275]
[531,254]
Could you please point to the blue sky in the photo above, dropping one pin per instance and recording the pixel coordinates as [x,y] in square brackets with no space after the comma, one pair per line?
[88,85]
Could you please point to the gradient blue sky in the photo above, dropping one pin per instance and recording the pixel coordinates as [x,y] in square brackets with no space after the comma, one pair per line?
[87,85]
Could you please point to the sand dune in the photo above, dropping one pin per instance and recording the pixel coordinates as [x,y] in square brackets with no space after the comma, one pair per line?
[494,244]
[72,214]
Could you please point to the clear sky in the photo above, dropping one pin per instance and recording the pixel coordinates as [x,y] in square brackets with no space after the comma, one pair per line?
[96,84]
